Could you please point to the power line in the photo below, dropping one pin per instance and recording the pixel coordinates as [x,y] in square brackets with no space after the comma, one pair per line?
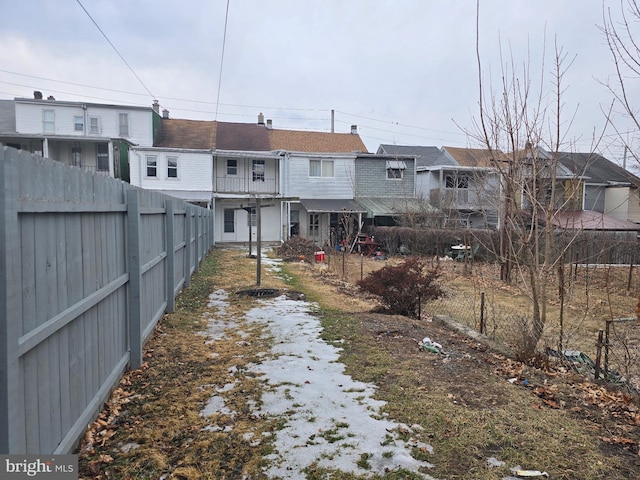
[115,49]
[224,42]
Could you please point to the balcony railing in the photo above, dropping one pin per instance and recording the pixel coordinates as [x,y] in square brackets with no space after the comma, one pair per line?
[463,198]
[244,185]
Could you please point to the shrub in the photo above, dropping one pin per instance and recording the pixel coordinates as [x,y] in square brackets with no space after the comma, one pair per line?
[402,287]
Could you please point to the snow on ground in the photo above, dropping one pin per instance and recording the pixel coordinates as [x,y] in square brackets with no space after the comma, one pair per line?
[330,420]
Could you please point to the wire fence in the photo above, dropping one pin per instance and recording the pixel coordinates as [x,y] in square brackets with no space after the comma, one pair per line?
[592,296]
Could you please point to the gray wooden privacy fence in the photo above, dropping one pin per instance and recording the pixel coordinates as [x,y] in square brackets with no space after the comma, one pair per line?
[88,265]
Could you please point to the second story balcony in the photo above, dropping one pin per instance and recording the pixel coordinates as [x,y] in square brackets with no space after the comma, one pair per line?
[238,184]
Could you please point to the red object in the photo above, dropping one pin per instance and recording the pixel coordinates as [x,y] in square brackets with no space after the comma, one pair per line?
[320,256]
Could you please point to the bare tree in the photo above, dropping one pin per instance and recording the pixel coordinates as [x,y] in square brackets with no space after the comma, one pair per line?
[524,119]
[621,31]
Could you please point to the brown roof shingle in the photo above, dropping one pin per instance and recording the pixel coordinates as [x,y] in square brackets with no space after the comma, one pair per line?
[321,142]
[177,133]
[211,135]
[476,157]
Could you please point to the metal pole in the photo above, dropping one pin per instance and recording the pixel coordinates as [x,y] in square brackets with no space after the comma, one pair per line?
[258,241]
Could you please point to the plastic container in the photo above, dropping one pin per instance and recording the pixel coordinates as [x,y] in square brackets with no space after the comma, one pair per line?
[320,256]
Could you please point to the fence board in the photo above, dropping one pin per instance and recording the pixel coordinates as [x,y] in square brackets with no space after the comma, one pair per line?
[88,266]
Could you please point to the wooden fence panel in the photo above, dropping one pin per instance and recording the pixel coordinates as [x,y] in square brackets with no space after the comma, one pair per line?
[83,281]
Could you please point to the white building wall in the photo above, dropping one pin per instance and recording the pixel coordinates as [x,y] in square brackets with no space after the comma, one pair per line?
[29,120]
[195,170]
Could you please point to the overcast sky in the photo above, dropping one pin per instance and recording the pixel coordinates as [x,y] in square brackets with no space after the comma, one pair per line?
[404,71]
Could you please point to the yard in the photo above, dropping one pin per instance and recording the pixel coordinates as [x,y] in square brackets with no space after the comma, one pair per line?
[482,415]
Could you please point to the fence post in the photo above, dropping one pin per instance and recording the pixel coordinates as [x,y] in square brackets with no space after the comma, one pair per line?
[171,256]
[196,239]
[598,355]
[12,426]
[482,325]
[135,279]
[187,246]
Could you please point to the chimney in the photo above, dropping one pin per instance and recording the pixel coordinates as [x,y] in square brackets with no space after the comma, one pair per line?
[51,97]
[260,119]
[165,113]
[354,129]
[37,95]
[269,124]
[156,106]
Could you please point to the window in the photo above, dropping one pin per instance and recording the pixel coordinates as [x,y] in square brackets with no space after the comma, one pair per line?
[394,173]
[94,125]
[152,166]
[229,220]
[78,124]
[395,169]
[456,181]
[48,121]
[123,124]
[172,167]
[102,157]
[258,170]
[321,168]
[232,167]
[314,224]
[76,155]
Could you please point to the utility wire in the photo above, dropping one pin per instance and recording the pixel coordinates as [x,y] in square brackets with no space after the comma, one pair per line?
[116,50]
[224,42]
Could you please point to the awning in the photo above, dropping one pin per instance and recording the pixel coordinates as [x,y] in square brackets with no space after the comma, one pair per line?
[396,165]
[590,220]
[380,207]
[331,206]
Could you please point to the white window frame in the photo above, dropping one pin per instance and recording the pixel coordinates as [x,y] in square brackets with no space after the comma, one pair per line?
[321,168]
[258,168]
[94,125]
[151,162]
[78,123]
[101,155]
[172,168]
[48,124]
[123,124]
[232,166]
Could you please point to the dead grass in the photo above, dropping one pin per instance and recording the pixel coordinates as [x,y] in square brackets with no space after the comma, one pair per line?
[152,427]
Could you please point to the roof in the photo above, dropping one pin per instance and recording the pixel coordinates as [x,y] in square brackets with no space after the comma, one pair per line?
[597,168]
[331,206]
[591,220]
[475,157]
[321,142]
[193,134]
[425,156]
[242,136]
[251,137]
[382,206]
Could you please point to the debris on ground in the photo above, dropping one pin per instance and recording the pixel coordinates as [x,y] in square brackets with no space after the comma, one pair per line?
[428,345]
[296,249]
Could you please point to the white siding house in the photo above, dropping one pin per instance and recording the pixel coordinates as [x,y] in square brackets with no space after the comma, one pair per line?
[94,137]
[185,174]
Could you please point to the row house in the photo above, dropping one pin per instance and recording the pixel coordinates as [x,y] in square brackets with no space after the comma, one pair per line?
[303,179]
[94,137]
[468,185]
[461,183]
